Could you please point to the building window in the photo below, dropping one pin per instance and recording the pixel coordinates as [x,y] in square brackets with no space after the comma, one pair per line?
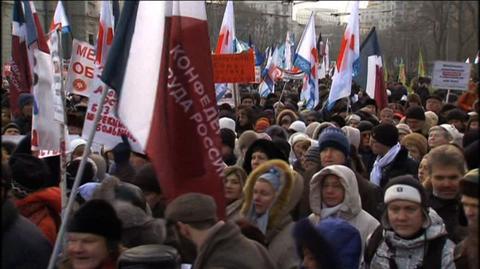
[91,39]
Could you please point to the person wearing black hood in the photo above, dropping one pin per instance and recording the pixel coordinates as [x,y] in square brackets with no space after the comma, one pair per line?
[364,150]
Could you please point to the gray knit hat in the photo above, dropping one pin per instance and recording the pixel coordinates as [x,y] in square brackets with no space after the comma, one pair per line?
[192,208]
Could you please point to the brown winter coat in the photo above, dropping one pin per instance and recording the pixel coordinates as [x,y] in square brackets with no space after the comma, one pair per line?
[280,242]
[226,247]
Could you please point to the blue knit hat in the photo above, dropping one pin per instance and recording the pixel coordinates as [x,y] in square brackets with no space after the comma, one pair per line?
[335,138]
[344,239]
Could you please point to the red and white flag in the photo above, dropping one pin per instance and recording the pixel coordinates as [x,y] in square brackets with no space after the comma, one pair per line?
[21,76]
[349,53]
[166,97]
[226,37]
[105,33]
[60,19]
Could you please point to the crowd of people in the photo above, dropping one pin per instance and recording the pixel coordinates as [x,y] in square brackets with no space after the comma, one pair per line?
[356,187]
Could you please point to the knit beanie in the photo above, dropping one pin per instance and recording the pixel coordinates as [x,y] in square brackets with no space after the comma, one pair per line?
[97,217]
[228,123]
[457,114]
[386,134]
[344,239]
[469,184]
[24,99]
[406,188]
[228,137]
[121,153]
[404,128]
[298,126]
[335,138]
[261,125]
[246,139]
[313,154]
[277,131]
[320,128]
[415,112]
[417,140]
[191,208]
[29,174]
[353,135]
[272,176]
[364,126]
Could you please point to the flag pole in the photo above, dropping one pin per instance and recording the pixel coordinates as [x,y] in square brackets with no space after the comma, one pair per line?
[79,175]
[63,155]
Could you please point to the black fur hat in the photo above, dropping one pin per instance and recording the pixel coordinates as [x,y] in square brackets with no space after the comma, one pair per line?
[97,217]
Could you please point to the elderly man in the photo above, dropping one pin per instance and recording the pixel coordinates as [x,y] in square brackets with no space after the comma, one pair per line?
[219,244]
[411,235]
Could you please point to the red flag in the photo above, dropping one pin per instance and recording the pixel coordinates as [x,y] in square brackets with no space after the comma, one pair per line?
[169,82]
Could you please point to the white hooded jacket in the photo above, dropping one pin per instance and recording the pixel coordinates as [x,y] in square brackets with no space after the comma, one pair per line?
[351,207]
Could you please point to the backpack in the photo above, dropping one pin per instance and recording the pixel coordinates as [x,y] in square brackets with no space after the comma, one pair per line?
[431,259]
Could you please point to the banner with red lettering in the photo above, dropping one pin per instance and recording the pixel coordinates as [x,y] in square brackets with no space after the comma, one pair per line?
[109,129]
[81,69]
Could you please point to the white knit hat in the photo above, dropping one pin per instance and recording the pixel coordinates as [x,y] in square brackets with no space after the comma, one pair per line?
[402,192]
[298,126]
[227,123]
[454,133]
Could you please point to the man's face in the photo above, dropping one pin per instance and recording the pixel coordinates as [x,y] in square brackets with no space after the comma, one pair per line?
[12,131]
[87,250]
[445,181]
[247,102]
[310,119]
[437,138]
[470,206]
[366,138]
[378,148]
[386,116]
[433,105]
[27,110]
[459,125]
[6,116]
[414,124]
[405,217]
[330,156]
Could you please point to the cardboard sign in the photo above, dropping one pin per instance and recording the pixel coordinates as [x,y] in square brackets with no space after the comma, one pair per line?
[234,68]
[451,75]
[109,129]
[81,69]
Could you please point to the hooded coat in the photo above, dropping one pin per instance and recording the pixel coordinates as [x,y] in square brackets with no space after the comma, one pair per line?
[226,247]
[43,208]
[351,207]
[409,253]
[280,242]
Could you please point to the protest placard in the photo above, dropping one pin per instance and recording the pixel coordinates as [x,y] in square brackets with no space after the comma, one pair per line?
[81,69]
[234,68]
[451,75]
[109,129]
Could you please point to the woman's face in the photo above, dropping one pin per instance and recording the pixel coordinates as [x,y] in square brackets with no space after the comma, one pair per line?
[333,192]
[299,149]
[263,196]
[233,188]
[423,170]
[309,261]
[414,152]
[258,158]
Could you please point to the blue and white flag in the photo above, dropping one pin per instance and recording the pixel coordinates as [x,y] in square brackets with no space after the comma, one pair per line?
[306,58]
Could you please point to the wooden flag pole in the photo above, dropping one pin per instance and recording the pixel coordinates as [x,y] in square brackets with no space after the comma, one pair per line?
[63,148]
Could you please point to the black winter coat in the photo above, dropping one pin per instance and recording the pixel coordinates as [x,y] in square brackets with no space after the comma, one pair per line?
[401,165]
[23,244]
